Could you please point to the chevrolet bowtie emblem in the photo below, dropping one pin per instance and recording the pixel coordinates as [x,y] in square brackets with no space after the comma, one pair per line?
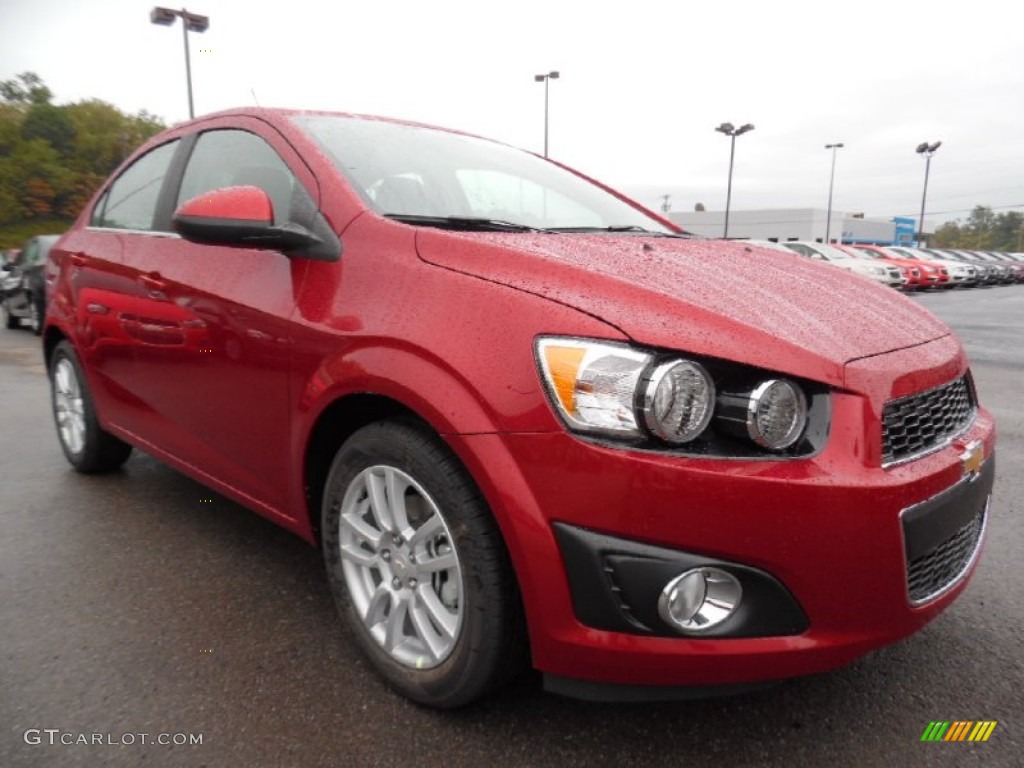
[972,457]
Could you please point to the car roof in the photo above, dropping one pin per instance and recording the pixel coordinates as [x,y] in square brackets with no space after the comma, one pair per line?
[277,115]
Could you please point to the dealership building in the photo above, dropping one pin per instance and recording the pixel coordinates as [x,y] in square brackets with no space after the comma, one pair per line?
[781,224]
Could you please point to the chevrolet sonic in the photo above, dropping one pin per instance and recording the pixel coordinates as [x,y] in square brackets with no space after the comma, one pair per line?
[527,421]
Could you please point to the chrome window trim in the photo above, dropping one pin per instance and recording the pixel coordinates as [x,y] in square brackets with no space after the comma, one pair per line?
[151,232]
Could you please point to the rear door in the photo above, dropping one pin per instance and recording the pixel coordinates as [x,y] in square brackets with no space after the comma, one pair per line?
[95,288]
[213,370]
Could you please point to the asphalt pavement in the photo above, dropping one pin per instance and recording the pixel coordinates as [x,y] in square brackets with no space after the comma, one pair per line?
[143,603]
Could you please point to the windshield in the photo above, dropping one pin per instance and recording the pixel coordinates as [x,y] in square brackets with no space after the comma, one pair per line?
[905,253]
[428,176]
[870,254]
[832,252]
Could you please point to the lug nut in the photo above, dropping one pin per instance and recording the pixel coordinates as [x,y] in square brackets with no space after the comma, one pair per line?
[396,583]
[385,554]
[412,583]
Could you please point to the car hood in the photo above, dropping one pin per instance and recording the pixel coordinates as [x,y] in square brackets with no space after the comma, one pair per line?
[723,299]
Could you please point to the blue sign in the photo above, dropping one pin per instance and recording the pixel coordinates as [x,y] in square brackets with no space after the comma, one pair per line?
[906,229]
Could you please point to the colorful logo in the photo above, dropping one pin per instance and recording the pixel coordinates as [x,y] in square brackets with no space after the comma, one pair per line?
[959,730]
[972,458]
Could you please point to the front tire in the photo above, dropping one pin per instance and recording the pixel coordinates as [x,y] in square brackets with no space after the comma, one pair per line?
[418,567]
[86,445]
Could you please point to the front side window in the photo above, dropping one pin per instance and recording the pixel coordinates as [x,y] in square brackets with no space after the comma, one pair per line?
[230,158]
[131,201]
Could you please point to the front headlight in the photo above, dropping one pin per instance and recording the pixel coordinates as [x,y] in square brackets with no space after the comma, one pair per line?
[773,414]
[700,407]
[678,401]
[593,384]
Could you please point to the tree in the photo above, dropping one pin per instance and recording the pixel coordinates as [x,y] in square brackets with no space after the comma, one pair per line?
[984,230]
[105,136]
[1009,231]
[50,123]
[38,179]
[11,116]
[53,158]
[26,88]
[947,235]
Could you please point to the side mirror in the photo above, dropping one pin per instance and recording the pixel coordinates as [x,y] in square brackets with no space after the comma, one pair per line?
[241,216]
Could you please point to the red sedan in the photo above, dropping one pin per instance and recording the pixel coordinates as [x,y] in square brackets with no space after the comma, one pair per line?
[934,274]
[526,420]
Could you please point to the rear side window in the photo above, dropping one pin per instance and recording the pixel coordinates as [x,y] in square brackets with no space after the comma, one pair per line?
[131,201]
[229,158]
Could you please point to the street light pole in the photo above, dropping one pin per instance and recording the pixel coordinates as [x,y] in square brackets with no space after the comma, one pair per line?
[831,183]
[926,149]
[190,22]
[732,132]
[188,68]
[545,78]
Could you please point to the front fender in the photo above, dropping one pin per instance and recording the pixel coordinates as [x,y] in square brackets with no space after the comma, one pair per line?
[421,382]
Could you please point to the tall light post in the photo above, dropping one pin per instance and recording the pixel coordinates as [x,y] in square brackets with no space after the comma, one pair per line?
[732,132]
[190,22]
[831,183]
[926,149]
[544,79]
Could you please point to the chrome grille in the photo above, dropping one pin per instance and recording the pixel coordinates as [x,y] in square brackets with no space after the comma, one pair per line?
[930,574]
[914,425]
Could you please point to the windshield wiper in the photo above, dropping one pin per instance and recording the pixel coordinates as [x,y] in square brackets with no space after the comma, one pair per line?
[465,223]
[626,228]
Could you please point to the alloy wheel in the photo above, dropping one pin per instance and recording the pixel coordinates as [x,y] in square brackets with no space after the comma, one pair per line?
[68,406]
[400,566]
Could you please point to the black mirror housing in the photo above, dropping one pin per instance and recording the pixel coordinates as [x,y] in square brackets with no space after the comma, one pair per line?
[243,216]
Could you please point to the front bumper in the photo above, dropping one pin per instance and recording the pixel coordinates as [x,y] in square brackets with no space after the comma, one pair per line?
[828,529]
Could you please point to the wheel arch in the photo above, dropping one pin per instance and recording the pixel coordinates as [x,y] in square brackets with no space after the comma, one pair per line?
[335,424]
[52,336]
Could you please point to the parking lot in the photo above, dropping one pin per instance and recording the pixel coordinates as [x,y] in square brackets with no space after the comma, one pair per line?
[141,602]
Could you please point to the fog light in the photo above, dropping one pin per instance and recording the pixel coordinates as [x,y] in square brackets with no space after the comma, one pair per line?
[699,599]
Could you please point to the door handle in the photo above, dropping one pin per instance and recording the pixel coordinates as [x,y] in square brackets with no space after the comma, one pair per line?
[78,259]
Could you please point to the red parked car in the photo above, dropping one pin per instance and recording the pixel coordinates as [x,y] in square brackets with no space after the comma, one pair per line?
[526,420]
[912,278]
[934,274]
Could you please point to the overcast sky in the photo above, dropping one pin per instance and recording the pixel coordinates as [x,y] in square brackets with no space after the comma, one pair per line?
[643,84]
